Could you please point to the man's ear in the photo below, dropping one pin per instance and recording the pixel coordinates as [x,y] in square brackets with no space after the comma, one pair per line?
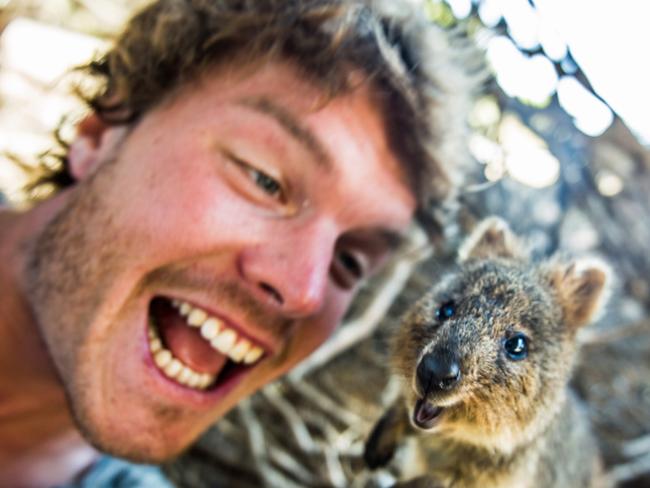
[95,143]
[582,287]
[490,239]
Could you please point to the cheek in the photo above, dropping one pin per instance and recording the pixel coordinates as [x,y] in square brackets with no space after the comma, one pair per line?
[170,210]
[310,334]
[520,378]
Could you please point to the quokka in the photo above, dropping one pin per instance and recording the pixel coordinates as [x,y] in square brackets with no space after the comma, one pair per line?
[484,360]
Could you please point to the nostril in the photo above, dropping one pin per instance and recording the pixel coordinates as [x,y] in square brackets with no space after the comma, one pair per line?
[269,290]
[450,378]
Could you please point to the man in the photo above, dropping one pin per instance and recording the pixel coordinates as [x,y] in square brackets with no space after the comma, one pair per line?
[245,166]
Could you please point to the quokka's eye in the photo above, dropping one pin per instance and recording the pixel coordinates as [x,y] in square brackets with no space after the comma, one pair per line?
[516,347]
[445,311]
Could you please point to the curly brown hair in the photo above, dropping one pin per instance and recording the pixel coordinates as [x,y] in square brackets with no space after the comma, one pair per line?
[417,69]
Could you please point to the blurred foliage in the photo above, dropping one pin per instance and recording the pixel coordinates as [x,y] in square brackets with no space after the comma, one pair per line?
[440,12]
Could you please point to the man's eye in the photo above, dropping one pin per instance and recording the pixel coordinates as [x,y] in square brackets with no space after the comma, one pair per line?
[269,185]
[348,269]
[266,183]
[350,262]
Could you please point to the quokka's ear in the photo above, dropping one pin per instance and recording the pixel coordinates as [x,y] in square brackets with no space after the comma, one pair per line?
[490,239]
[583,288]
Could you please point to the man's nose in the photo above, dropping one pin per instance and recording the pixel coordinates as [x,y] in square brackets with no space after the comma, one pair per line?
[291,272]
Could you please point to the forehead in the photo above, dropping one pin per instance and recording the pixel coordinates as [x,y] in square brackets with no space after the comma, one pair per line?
[495,287]
[494,279]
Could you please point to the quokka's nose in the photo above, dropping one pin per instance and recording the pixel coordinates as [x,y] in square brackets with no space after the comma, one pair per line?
[437,372]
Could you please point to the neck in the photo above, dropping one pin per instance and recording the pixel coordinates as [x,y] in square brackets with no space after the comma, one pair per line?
[33,410]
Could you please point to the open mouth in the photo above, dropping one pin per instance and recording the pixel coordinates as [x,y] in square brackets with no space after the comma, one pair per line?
[425,415]
[195,349]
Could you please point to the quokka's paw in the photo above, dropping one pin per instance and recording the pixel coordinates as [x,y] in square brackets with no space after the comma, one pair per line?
[379,449]
[383,441]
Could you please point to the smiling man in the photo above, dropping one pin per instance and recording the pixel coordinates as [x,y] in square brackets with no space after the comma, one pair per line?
[245,166]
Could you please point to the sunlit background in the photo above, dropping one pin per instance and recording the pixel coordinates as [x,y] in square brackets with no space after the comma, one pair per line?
[587,55]
[607,40]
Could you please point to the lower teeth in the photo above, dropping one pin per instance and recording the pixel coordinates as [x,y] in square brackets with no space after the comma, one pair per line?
[173,368]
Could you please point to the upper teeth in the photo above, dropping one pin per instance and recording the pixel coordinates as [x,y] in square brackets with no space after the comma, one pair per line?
[222,338]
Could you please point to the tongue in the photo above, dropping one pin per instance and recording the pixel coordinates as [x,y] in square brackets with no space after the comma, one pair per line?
[184,342]
[425,415]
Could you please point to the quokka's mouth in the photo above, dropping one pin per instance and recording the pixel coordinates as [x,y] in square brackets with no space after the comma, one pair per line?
[425,415]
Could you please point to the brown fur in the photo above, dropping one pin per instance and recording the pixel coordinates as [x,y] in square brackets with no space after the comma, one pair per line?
[505,422]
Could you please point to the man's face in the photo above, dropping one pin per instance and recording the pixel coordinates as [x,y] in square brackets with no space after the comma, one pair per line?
[231,229]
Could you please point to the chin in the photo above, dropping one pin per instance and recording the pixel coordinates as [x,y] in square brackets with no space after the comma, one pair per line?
[127,404]
[142,443]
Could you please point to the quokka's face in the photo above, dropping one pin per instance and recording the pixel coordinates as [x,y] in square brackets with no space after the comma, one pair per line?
[483,349]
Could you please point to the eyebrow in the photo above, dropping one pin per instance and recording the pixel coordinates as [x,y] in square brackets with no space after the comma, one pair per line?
[291,124]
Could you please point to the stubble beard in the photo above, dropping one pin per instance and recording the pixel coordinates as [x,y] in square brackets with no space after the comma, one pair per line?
[67,271]
[70,268]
